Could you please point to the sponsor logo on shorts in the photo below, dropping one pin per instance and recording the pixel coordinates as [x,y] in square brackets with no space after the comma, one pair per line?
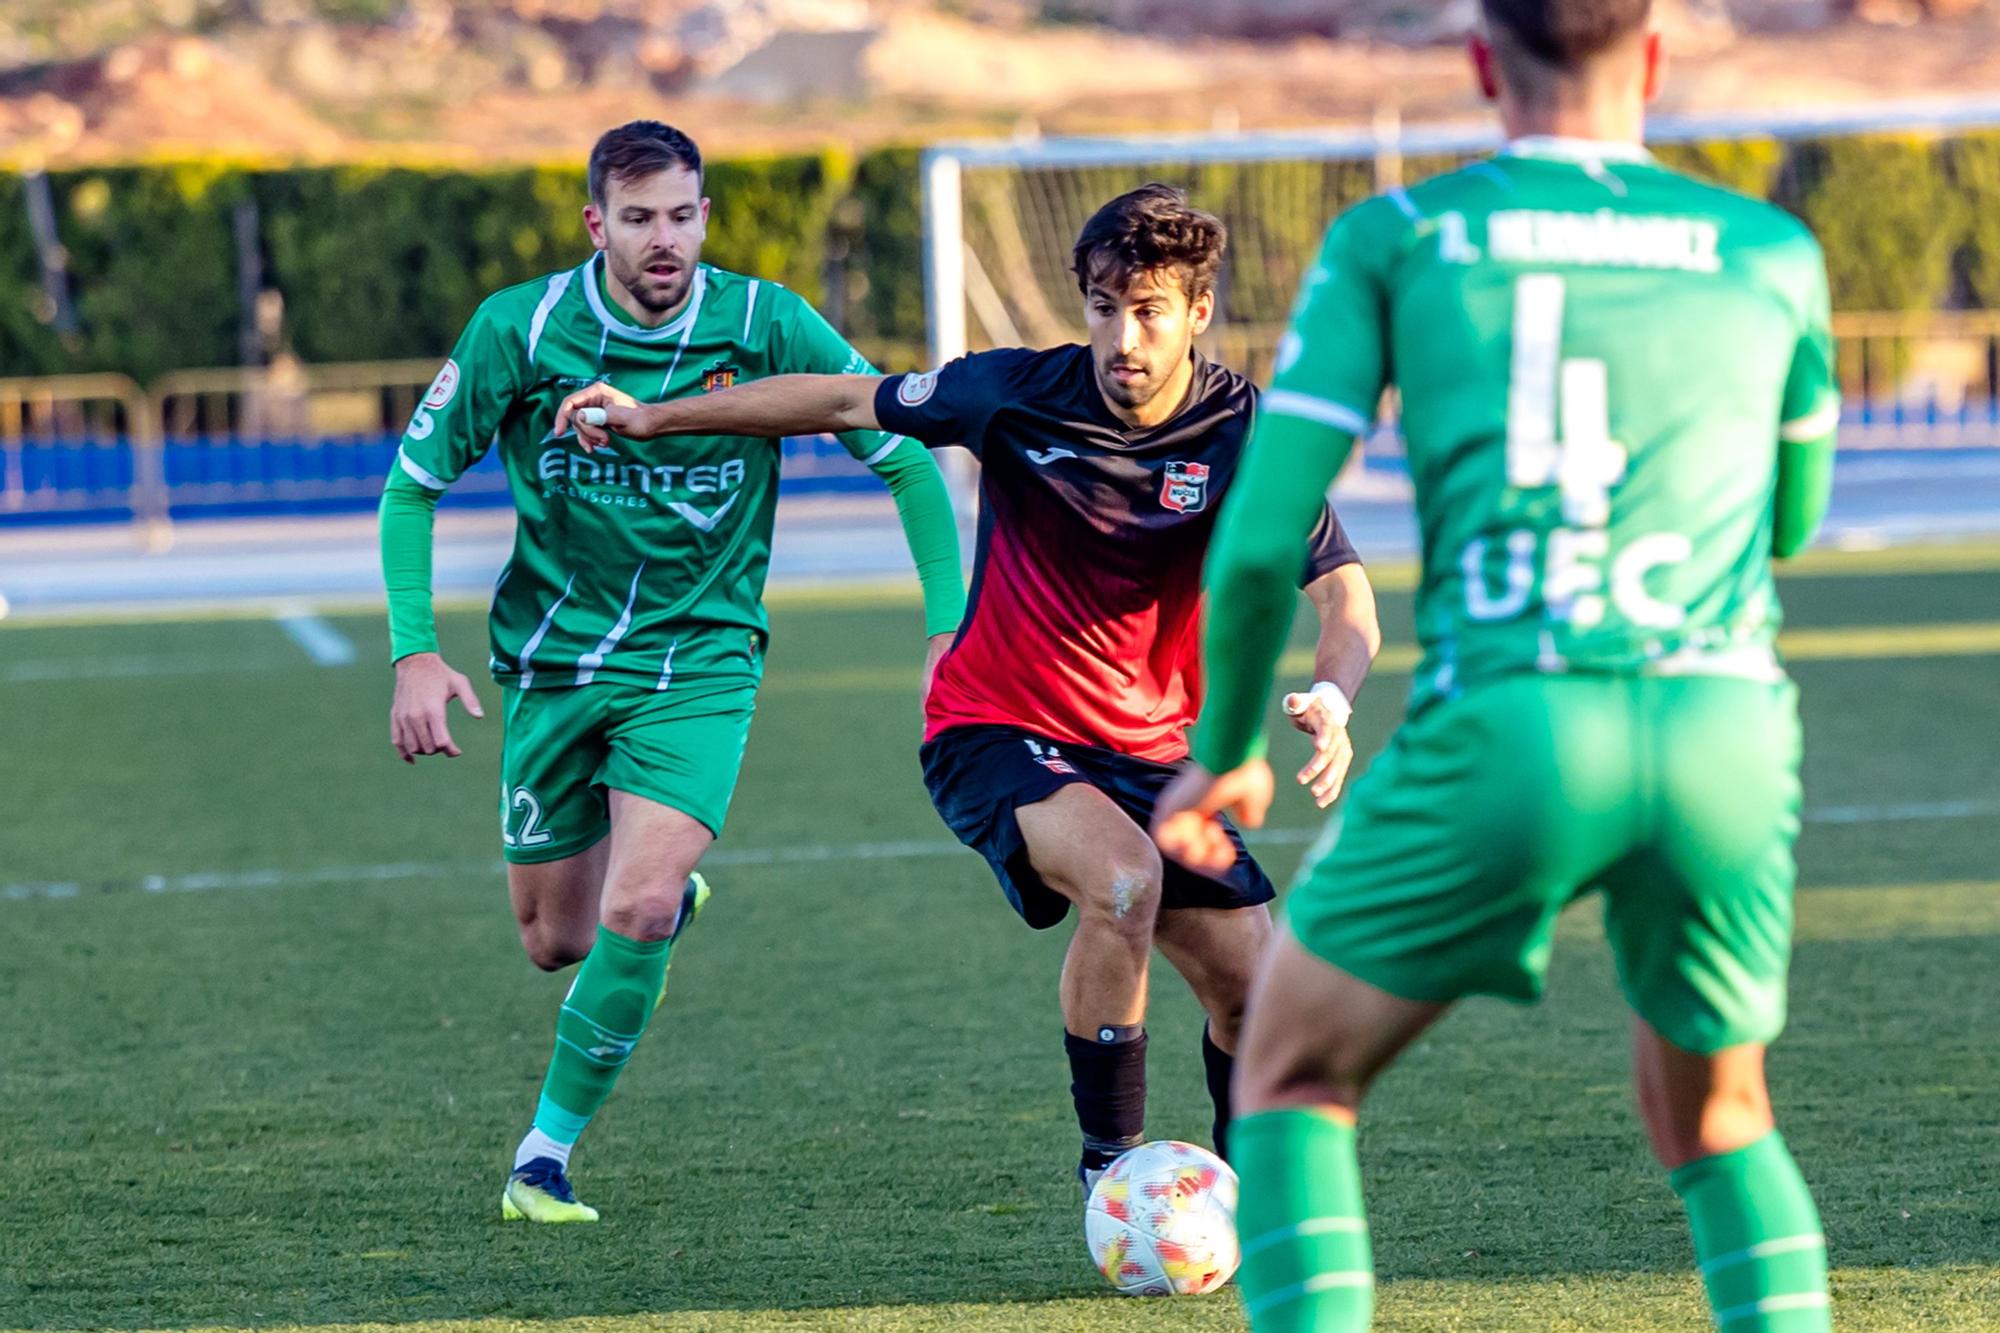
[1185,490]
[1049,757]
[917,388]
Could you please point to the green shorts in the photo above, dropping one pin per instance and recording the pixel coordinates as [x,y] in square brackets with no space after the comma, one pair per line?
[565,749]
[1488,813]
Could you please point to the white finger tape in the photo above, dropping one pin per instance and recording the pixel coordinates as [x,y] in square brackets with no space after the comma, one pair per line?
[1327,692]
[592,416]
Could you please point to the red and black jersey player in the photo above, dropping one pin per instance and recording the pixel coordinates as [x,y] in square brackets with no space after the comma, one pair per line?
[1060,710]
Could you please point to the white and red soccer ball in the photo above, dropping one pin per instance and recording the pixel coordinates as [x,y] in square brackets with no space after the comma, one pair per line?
[1161,1221]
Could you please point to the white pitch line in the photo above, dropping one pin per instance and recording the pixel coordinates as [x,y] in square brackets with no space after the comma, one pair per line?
[1898,814]
[64,670]
[803,854]
[321,642]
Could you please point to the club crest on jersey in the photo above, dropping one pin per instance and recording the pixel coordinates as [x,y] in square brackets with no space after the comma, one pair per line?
[1185,490]
[721,375]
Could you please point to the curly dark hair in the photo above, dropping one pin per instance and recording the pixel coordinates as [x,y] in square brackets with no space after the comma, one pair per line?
[1150,228]
[1564,33]
[637,149]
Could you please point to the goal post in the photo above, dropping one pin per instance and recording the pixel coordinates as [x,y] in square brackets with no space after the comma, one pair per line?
[999,216]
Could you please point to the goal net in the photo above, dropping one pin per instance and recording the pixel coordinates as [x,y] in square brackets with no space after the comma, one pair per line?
[1000,221]
[1000,218]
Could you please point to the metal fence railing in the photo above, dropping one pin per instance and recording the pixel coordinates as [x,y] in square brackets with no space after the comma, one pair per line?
[74,444]
[1920,380]
[292,437]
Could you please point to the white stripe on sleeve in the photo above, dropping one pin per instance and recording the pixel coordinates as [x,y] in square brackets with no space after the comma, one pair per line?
[1292,403]
[416,472]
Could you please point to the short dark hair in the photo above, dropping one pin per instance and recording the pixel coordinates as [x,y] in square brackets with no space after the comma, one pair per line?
[1152,227]
[636,149]
[1564,33]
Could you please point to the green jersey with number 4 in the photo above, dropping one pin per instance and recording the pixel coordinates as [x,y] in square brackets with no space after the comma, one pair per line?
[1597,358]
[644,560]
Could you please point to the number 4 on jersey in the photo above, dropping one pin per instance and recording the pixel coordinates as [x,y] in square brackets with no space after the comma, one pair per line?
[1583,461]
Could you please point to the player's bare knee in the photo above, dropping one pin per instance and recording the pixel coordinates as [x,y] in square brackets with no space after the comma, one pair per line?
[645,915]
[1125,900]
[552,948]
[1685,1124]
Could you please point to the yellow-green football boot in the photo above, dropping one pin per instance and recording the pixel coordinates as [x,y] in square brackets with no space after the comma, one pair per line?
[538,1191]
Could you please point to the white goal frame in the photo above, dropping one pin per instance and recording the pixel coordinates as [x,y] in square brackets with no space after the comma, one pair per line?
[948,276]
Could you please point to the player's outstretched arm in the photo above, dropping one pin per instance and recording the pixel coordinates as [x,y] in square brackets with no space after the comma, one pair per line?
[1349,637]
[772,408]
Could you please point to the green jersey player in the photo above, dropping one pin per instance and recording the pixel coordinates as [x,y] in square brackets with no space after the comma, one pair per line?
[628,629]
[1619,405]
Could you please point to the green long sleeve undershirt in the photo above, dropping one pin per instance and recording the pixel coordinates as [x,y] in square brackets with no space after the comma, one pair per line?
[407,513]
[1253,577]
[1805,487]
[923,504]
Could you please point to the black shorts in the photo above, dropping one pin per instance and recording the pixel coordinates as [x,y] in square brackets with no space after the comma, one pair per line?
[978,776]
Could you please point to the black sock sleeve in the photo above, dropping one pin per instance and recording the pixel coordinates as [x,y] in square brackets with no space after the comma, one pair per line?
[1108,1083]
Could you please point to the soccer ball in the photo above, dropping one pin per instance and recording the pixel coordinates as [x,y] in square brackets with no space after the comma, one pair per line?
[1161,1221]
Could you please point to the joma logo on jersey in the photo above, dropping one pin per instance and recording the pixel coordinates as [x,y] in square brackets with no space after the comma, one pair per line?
[721,375]
[1186,487]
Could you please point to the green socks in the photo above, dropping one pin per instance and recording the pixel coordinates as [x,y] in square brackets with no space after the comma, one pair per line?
[1307,1267]
[1757,1238]
[601,1020]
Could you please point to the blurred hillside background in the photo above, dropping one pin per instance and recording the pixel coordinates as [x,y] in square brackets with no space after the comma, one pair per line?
[515,80]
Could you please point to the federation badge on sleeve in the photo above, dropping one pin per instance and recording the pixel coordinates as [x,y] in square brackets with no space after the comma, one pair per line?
[1186,488]
[443,387]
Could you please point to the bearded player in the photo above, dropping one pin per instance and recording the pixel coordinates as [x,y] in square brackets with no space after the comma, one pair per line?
[1056,718]
[1618,398]
[628,629]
